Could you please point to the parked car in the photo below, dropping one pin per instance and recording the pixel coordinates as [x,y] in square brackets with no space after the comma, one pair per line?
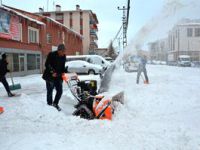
[184,60]
[83,67]
[93,59]
[132,63]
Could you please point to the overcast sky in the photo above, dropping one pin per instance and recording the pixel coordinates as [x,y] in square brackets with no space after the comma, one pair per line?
[141,12]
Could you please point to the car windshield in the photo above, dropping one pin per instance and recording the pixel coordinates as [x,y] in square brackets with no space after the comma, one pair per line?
[185,59]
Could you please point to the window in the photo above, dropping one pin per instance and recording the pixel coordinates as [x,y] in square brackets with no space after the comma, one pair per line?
[49,38]
[33,35]
[20,30]
[197,32]
[71,21]
[59,16]
[31,61]
[189,32]
[63,36]
[38,61]
[59,35]
[15,62]
[21,62]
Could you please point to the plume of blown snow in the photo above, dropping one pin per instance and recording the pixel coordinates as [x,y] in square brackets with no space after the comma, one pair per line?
[159,25]
[171,12]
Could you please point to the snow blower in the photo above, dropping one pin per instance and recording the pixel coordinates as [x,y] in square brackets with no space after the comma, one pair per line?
[92,105]
[14,86]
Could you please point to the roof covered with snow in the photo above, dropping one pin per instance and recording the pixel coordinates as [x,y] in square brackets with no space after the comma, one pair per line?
[22,15]
[37,21]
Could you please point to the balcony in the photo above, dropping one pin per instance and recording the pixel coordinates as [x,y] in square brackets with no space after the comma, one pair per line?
[94,27]
[93,45]
[93,35]
[92,22]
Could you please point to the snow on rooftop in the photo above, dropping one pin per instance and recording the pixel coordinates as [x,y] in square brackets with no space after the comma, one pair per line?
[22,15]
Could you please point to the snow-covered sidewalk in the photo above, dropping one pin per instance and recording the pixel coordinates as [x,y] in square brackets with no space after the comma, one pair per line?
[163,115]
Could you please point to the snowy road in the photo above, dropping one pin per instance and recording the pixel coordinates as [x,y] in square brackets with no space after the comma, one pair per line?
[163,115]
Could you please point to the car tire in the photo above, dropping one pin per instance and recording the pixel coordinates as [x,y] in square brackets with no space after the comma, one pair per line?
[91,72]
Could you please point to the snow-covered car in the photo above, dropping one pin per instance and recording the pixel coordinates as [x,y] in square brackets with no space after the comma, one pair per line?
[93,59]
[131,65]
[83,67]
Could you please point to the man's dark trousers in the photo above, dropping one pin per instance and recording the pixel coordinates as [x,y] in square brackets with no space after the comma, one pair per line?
[57,84]
[5,84]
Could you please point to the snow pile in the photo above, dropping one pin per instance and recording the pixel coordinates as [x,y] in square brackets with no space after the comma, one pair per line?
[163,115]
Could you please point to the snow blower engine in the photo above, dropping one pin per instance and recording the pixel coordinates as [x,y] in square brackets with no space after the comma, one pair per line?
[92,105]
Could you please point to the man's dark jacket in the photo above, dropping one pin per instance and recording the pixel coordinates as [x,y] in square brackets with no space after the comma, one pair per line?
[54,64]
[3,68]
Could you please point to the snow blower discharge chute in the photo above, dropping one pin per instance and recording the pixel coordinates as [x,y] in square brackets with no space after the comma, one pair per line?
[92,105]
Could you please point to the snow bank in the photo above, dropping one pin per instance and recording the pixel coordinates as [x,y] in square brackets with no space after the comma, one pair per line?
[163,115]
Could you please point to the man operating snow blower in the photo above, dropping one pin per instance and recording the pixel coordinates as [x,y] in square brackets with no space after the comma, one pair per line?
[54,68]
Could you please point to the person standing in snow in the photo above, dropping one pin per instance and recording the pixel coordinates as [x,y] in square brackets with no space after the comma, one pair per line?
[3,71]
[54,68]
[142,68]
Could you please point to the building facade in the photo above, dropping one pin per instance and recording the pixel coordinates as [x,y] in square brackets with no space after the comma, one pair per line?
[184,39]
[28,38]
[158,50]
[101,51]
[81,21]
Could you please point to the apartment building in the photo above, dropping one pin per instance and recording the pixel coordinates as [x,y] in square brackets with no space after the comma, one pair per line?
[28,38]
[81,21]
[184,39]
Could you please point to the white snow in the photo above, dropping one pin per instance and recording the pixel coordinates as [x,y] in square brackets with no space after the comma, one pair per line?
[163,115]
[22,15]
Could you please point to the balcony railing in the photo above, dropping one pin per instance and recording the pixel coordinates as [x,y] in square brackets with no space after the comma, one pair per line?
[93,44]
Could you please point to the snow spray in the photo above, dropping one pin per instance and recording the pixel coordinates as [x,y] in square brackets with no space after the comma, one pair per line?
[172,12]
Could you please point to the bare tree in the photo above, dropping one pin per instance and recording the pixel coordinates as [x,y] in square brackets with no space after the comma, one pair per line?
[111,51]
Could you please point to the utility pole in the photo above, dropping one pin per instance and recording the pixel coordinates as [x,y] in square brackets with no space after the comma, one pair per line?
[124,25]
[125,20]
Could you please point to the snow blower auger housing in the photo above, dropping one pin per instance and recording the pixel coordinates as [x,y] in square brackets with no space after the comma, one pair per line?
[92,105]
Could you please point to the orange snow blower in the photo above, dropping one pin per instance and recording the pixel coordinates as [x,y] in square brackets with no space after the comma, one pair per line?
[91,105]
[1,110]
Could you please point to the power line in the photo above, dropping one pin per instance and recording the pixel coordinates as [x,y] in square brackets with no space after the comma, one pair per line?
[117,33]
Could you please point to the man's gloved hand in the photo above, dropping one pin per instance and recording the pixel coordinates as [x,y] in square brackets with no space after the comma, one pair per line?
[54,75]
[65,77]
